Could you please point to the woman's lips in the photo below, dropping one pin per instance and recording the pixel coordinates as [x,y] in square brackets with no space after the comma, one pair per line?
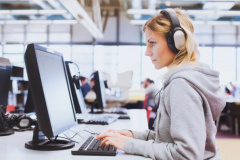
[153,60]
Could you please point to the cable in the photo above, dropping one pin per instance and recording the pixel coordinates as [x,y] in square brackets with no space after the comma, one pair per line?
[90,130]
[159,92]
[158,99]
[76,133]
[77,67]
[68,139]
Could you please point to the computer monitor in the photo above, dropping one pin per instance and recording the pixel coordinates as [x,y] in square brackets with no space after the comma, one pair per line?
[99,89]
[52,98]
[5,74]
[29,106]
[75,85]
[17,71]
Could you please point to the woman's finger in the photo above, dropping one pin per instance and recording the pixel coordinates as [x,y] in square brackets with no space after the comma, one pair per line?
[104,140]
[103,135]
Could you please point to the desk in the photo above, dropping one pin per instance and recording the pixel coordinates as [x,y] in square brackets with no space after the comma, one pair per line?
[12,147]
[134,97]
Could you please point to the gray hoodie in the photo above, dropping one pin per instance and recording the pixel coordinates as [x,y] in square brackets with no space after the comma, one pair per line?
[184,127]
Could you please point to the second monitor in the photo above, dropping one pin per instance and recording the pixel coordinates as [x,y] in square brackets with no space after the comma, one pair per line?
[99,89]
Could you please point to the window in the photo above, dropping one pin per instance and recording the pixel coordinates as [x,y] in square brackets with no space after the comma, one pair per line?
[13,48]
[149,71]
[129,58]
[64,49]
[206,55]
[225,63]
[36,37]
[14,53]
[14,58]
[82,55]
[105,58]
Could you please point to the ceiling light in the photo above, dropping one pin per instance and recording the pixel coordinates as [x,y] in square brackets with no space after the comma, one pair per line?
[4,11]
[198,22]
[16,22]
[142,11]
[138,22]
[218,22]
[218,5]
[236,23]
[53,12]
[168,3]
[200,12]
[228,13]
[40,22]
[64,21]
[23,12]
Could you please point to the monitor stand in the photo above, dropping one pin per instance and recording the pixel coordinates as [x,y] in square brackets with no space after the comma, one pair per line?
[40,143]
[95,105]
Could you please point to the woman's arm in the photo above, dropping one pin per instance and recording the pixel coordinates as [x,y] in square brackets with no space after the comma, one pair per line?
[188,130]
[144,135]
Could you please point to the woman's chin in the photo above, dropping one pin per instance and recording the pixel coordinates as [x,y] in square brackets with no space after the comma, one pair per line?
[157,66]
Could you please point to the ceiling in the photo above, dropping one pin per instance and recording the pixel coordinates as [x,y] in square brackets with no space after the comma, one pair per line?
[198,10]
[201,12]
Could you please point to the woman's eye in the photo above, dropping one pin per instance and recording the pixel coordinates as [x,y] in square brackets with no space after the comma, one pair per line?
[152,43]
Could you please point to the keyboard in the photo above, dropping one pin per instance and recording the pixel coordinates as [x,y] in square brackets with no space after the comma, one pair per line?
[105,120]
[117,110]
[91,146]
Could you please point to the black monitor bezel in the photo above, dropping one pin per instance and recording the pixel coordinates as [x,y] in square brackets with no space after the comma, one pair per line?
[35,83]
[5,83]
[97,89]
[78,107]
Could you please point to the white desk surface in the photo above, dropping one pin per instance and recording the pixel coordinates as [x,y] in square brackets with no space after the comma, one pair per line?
[13,147]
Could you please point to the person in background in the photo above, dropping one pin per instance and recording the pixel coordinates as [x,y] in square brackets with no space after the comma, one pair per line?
[151,93]
[233,89]
[85,85]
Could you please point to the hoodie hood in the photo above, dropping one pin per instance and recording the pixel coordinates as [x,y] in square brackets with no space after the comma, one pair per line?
[205,80]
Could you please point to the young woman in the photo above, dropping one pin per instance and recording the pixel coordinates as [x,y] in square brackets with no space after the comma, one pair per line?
[190,101]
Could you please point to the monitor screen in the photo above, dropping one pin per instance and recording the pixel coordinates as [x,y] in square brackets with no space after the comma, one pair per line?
[55,89]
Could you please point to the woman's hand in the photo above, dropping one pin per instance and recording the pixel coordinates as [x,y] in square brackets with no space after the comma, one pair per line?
[122,132]
[115,139]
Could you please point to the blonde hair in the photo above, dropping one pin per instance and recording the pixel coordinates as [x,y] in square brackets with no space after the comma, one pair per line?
[189,52]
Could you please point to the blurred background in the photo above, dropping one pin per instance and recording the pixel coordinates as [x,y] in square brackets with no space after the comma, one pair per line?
[106,35]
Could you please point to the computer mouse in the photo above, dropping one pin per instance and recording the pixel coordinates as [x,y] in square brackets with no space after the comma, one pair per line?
[124,117]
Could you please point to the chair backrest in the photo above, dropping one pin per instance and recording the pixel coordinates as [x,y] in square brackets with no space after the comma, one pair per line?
[235,110]
[145,102]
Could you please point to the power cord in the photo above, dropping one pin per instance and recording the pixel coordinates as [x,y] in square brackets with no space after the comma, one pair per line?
[68,139]
[76,133]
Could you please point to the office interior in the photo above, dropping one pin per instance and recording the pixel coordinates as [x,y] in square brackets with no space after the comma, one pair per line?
[107,36]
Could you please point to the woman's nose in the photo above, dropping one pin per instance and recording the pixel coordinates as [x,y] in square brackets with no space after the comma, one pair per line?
[148,53]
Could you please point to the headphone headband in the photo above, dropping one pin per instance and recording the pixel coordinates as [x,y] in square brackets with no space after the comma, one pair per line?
[176,36]
[172,16]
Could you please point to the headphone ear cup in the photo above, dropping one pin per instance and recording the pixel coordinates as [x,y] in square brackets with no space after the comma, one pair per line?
[179,39]
[170,42]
